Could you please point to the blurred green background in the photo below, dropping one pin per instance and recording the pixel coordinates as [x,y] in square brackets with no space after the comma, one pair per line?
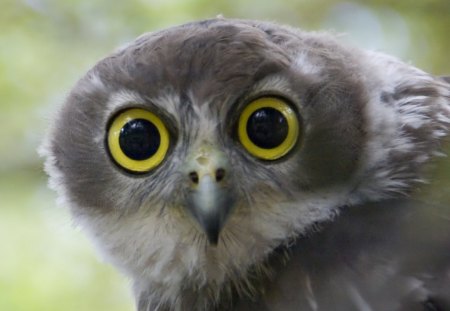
[45,45]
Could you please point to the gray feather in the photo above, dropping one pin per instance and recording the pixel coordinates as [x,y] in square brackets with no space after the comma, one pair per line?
[446,78]
[391,255]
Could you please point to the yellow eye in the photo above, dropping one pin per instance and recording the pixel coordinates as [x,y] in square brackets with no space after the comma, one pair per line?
[138,140]
[268,128]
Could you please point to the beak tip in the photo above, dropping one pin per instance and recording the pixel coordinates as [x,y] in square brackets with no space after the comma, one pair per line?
[210,206]
[213,237]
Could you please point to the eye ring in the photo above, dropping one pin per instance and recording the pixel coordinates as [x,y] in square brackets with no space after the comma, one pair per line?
[283,112]
[147,122]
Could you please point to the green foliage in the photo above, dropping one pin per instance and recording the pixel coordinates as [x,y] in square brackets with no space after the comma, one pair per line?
[45,45]
[45,263]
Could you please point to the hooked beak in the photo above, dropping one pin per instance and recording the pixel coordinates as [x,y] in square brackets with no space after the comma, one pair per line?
[210,199]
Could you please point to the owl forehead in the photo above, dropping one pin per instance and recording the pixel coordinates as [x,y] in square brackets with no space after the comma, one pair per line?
[206,62]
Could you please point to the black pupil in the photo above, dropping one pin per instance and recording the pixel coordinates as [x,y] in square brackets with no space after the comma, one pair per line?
[267,128]
[139,139]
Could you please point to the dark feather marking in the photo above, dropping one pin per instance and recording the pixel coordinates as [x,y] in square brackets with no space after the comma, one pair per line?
[432,305]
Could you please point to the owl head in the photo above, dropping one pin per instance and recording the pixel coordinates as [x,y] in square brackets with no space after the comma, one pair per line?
[190,154]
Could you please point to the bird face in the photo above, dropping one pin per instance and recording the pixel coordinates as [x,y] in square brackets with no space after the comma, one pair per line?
[195,151]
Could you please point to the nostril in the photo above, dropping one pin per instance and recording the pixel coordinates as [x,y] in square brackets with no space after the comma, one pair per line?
[194,177]
[220,174]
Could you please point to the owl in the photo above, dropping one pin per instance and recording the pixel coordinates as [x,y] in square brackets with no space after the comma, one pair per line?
[242,165]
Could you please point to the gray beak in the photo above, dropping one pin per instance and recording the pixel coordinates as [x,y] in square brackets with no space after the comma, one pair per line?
[210,204]
[210,197]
